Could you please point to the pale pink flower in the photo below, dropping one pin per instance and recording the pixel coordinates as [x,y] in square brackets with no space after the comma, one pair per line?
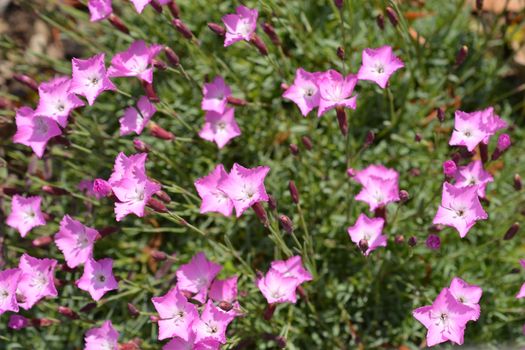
[190,344]
[380,186]
[378,65]
[292,268]
[304,91]
[468,295]
[196,276]
[135,62]
[36,281]
[75,241]
[8,284]
[140,4]
[90,78]
[17,322]
[104,337]
[215,95]
[474,175]
[98,278]
[99,9]
[492,122]
[135,119]
[25,214]
[125,167]
[369,231]
[277,288]
[220,128]
[336,91]
[460,208]
[226,291]
[34,130]
[245,187]
[472,128]
[240,26]
[212,324]
[213,199]
[133,194]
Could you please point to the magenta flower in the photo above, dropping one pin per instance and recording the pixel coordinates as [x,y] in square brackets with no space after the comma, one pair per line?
[25,214]
[56,102]
[445,319]
[97,278]
[450,168]
[245,187]
[304,91]
[102,338]
[277,288]
[460,208]
[190,344]
[368,231]
[212,324]
[133,194]
[99,9]
[213,199]
[196,276]
[90,78]
[75,241]
[225,291]
[468,295]
[34,130]
[378,65]
[135,62]
[220,128]
[433,242]
[474,175]
[521,293]
[8,284]
[492,122]
[17,322]
[336,91]
[135,119]
[472,128]
[36,281]
[380,186]
[292,268]
[101,188]
[240,26]
[125,167]
[176,315]
[215,95]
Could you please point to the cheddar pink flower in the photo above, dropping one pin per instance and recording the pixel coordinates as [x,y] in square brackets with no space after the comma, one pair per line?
[34,130]
[190,344]
[213,199]
[135,119]
[25,214]
[521,293]
[196,276]
[492,122]
[90,78]
[212,324]
[240,26]
[468,295]
[304,92]
[98,278]
[369,231]
[133,194]
[474,175]
[245,187]
[176,315]
[36,281]
[220,128]
[293,268]
[336,91]
[378,65]
[277,288]
[125,167]
[135,62]
[460,208]
[140,4]
[99,9]
[8,284]
[380,186]
[215,95]
[75,241]
[56,102]
[472,128]
[103,337]
[225,291]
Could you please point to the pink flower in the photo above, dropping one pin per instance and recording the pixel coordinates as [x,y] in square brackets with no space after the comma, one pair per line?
[521,293]
[450,168]
[75,241]
[240,26]
[369,231]
[176,315]
[34,130]
[468,295]
[99,9]
[226,291]
[245,187]
[196,276]
[125,167]
[277,288]
[8,284]
[292,268]
[133,194]
[135,119]
[56,102]
[220,128]
[213,199]
[460,208]
[36,281]
[135,62]
[140,4]
[378,65]
[492,122]
[98,278]
[215,95]
[472,128]
[336,91]
[474,175]
[304,91]
[90,78]
[380,186]
[212,324]
[101,188]
[503,142]
[17,322]
[445,319]
[190,344]
[25,214]
[104,337]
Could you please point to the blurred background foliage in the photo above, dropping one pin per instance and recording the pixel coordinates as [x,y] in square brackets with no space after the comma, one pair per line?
[353,302]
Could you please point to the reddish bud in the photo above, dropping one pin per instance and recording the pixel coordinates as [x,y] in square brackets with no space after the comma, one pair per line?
[363,245]
[161,65]
[272,34]
[512,231]
[159,255]
[412,241]
[440,113]
[163,196]
[236,101]
[433,242]
[307,142]
[141,146]
[42,241]
[284,86]
[417,137]
[172,57]
[392,16]
[342,120]
[380,212]
[293,191]
[351,172]
[261,213]
[42,322]
[154,319]
[268,312]
[338,4]
[517,182]
[399,239]
[65,311]
[149,89]
[403,196]
[503,144]
[160,133]
[156,6]
[380,20]
[106,231]
[157,205]
[10,191]
[484,152]
[88,307]
[294,149]
[26,80]
[182,28]
[133,311]
[369,139]
[217,29]
[225,306]
[272,202]
[55,191]
[461,56]
[259,44]
[340,53]
[174,8]
[117,23]
[286,223]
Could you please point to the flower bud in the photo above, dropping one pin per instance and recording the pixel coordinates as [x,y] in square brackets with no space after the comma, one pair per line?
[412,241]
[182,28]
[417,137]
[261,213]
[342,120]
[338,4]
[404,196]
[55,191]
[5,103]
[351,172]
[133,311]
[440,113]
[174,8]
[106,231]
[293,191]
[65,311]
[272,202]
[141,146]
[17,322]
[160,133]
[307,142]
[157,205]
[88,307]
[369,139]
[433,242]
[163,196]
[380,212]
[42,322]
[268,313]
[149,89]
[517,182]
[449,168]
[270,31]
[117,23]
[363,245]
[156,6]
[503,143]
[172,57]
[102,188]
[286,223]
[461,55]
[42,241]
[399,239]
[225,306]
[340,53]
[294,149]
[154,319]
[160,65]
[512,231]
[217,29]
[284,86]
[158,255]
[10,191]
[380,20]
[392,16]
[236,101]
[26,80]
[259,44]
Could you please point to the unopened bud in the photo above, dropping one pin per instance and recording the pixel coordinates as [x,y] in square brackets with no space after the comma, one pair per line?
[417,137]
[55,191]
[399,239]
[449,168]
[380,20]
[412,241]
[340,53]
[272,202]
[117,23]
[158,255]
[261,213]
[284,86]
[133,311]
[157,205]
[503,143]
[26,80]
[268,312]
[217,29]
[161,65]
[42,241]
[141,146]
[42,322]
[149,89]
[461,55]
[17,322]
[294,149]
[102,188]
[106,231]
[286,223]
[392,16]
[512,231]
[293,191]
[380,212]
[88,307]
[65,311]
[272,34]
[440,113]
[433,242]
[172,57]
[369,139]
[259,44]
[163,196]
[517,182]
[307,142]
[160,133]
[236,101]
[484,152]
[156,6]
[363,245]
[182,28]
[338,4]
[342,120]
[10,191]
[225,306]
[403,196]
[174,8]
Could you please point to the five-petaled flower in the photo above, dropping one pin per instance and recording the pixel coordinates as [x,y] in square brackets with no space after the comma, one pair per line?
[90,78]
[304,91]
[215,95]
[25,214]
[196,276]
[104,337]
[36,280]
[220,128]
[240,26]
[97,278]
[135,119]
[136,61]
[378,65]
[34,130]
[75,241]
[336,91]
[214,199]
[380,186]
[369,231]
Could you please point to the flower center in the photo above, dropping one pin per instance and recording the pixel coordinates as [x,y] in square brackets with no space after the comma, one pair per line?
[379,68]
[467,133]
[212,328]
[101,278]
[39,281]
[221,126]
[243,28]
[60,106]
[41,126]
[3,294]
[309,91]
[82,240]
[93,81]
